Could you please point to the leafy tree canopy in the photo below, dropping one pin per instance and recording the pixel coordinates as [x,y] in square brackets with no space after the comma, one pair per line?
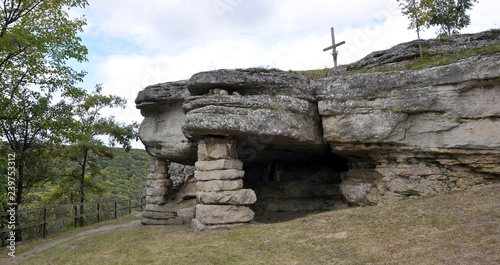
[37,38]
[450,15]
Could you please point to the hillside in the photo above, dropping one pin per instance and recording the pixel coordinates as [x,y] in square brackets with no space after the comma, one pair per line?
[461,227]
[126,172]
[124,177]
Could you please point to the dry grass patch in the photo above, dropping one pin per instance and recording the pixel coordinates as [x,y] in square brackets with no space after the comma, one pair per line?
[456,228]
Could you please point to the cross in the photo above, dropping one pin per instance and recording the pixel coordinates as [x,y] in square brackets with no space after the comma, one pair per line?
[334,47]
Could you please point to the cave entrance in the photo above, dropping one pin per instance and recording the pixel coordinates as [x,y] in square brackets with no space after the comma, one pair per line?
[289,188]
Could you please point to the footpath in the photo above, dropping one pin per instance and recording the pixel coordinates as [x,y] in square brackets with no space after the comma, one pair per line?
[44,246]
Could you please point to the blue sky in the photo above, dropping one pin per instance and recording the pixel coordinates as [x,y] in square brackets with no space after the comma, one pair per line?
[133,44]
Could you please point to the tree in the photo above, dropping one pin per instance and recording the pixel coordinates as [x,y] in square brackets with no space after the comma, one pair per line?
[450,15]
[30,137]
[37,38]
[419,13]
[84,144]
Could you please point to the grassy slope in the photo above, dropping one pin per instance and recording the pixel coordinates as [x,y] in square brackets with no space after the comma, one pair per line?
[455,228]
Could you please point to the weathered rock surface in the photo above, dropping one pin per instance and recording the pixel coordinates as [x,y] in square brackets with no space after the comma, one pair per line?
[160,131]
[252,81]
[392,134]
[403,53]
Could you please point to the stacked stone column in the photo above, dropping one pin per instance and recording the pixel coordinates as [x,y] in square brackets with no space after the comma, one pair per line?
[158,211]
[222,201]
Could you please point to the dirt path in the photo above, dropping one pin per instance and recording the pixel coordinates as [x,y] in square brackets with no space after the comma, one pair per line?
[44,246]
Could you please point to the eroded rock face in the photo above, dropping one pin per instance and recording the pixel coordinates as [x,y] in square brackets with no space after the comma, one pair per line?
[379,137]
[414,128]
[160,131]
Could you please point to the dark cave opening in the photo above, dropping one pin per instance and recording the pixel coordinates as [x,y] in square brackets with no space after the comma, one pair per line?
[295,186]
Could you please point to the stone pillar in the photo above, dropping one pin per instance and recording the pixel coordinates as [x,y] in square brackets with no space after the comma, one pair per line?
[222,203]
[157,211]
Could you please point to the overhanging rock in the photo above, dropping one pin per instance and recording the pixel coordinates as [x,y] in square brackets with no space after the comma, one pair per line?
[300,143]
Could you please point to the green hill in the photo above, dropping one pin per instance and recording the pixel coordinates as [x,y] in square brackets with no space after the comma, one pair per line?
[125,174]
[123,177]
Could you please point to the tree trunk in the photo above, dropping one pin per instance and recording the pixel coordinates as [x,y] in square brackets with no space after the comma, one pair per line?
[19,200]
[19,194]
[419,41]
[82,188]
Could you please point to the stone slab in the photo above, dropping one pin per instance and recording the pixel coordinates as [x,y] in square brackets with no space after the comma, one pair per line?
[159,208]
[218,164]
[225,174]
[156,176]
[223,214]
[155,199]
[159,183]
[237,197]
[158,215]
[219,185]
[156,191]
[217,148]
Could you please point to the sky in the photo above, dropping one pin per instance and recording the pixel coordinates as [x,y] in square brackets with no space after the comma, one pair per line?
[133,44]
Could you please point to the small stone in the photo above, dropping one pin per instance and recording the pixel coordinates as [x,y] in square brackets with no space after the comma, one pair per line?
[223,92]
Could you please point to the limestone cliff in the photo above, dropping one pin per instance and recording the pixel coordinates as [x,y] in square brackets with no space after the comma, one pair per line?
[371,138]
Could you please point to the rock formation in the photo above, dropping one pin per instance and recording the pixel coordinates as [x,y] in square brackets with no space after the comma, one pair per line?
[231,143]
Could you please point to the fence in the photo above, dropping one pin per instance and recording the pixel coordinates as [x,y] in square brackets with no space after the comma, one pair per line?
[39,222]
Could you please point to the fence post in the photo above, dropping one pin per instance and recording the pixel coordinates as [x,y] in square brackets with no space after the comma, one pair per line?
[98,212]
[129,206]
[76,212]
[3,236]
[115,209]
[44,222]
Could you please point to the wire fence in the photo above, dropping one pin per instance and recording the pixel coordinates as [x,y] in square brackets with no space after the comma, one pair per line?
[40,222]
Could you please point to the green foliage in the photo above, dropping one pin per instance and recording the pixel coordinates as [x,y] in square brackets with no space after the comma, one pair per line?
[450,15]
[30,136]
[37,38]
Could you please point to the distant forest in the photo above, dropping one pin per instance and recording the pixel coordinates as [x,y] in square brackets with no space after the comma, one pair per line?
[122,177]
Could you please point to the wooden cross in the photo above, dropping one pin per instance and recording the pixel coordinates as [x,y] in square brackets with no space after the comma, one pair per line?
[334,47]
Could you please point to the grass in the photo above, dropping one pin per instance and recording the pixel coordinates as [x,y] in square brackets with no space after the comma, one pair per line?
[454,228]
[30,245]
[320,73]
